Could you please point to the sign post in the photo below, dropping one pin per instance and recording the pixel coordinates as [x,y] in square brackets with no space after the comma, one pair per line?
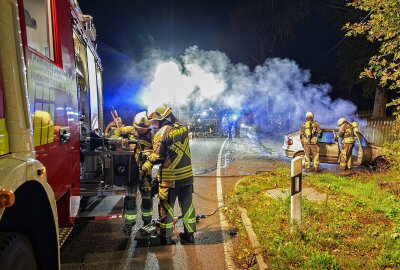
[295,200]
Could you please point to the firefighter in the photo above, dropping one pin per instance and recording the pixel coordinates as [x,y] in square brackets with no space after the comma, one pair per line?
[310,130]
[346,132]
[141,132]
[355,127]
[171,149]
[112,128]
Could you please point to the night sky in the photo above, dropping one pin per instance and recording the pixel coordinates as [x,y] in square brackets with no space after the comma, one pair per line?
[126,28]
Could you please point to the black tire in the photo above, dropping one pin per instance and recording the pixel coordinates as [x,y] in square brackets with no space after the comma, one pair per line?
[16,252]
[299,154]
[381,164]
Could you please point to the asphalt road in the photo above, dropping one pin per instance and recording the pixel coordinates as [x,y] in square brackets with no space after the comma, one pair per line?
[100,244]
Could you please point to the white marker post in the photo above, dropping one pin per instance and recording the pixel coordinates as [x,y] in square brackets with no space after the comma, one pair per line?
[295,200]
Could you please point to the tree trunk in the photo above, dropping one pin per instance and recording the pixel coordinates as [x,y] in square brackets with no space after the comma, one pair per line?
[379,103]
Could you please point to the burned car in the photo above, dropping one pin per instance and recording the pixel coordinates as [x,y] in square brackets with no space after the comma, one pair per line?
[364,152]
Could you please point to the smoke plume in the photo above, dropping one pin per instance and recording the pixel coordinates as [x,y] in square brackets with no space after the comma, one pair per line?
[199,79]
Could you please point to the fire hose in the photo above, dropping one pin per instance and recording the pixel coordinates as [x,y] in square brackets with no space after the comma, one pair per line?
[151,228]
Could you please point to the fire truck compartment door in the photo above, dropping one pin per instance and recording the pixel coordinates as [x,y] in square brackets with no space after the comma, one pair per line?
[94,108]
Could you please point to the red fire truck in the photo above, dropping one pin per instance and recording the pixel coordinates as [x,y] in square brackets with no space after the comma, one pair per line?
[50,97]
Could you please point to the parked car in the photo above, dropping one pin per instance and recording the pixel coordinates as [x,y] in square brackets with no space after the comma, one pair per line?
[364,152]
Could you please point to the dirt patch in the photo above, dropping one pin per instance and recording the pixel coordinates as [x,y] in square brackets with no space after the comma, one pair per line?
[373,218]
[393,187]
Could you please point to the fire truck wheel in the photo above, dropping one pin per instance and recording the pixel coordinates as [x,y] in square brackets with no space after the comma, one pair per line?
[16,252]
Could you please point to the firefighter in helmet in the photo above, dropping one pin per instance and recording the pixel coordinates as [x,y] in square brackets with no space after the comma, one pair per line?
[171,149]
[346,132]
[310,130]
[143,134]
[112,129]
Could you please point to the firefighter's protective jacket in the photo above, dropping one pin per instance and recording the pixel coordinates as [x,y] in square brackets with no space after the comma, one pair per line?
[146,144]
[346,132]
[171,148]
[309,132]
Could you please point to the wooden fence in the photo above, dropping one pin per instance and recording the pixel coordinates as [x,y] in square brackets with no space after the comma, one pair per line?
[378,132]
[364,114]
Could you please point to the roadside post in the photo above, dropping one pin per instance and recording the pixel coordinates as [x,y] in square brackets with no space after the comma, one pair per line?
[295,199]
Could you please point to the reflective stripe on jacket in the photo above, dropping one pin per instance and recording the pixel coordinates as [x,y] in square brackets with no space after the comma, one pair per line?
[171,146]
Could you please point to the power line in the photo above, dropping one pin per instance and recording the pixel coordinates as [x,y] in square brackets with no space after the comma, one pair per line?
[341,41]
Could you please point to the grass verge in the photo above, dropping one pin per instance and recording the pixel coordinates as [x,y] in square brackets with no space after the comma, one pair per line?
[357,227]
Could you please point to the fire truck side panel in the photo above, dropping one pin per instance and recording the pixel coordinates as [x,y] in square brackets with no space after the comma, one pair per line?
[68,56]
[34,211]
[4,142]
[53,100]
[11,57]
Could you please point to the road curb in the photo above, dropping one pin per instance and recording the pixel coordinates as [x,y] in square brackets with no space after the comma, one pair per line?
[261,264]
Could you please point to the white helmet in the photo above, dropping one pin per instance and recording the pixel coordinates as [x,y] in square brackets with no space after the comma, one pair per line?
[141,121]
[309,114]
[341,121]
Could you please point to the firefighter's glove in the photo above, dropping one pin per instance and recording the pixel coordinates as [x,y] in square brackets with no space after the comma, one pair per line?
[320,135]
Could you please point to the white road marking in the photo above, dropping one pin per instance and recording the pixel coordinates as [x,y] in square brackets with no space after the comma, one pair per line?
[228,250]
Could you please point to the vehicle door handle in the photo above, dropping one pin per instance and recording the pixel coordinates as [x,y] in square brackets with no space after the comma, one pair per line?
[65,136]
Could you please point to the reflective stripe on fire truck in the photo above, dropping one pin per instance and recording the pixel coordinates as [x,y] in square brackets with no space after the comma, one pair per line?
[43,128]
[4,147]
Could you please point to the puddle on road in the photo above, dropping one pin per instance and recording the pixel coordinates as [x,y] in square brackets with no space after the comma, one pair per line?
[241,156]
[203,171]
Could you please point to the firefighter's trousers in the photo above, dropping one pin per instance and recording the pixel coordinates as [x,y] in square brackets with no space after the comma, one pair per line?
[345,156]
[311,149]
[130,207]
[166,209]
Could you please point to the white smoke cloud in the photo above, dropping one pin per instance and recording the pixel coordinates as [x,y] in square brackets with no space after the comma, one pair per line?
[201,79]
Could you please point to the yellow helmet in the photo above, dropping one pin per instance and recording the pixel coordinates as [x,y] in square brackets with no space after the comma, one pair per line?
[309,114]
[341,121]
[158,112]
[141,121]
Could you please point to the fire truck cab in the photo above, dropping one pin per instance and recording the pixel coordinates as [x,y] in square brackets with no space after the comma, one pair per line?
[50,97]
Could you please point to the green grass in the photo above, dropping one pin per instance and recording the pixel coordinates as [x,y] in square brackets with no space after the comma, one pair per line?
[357,227]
